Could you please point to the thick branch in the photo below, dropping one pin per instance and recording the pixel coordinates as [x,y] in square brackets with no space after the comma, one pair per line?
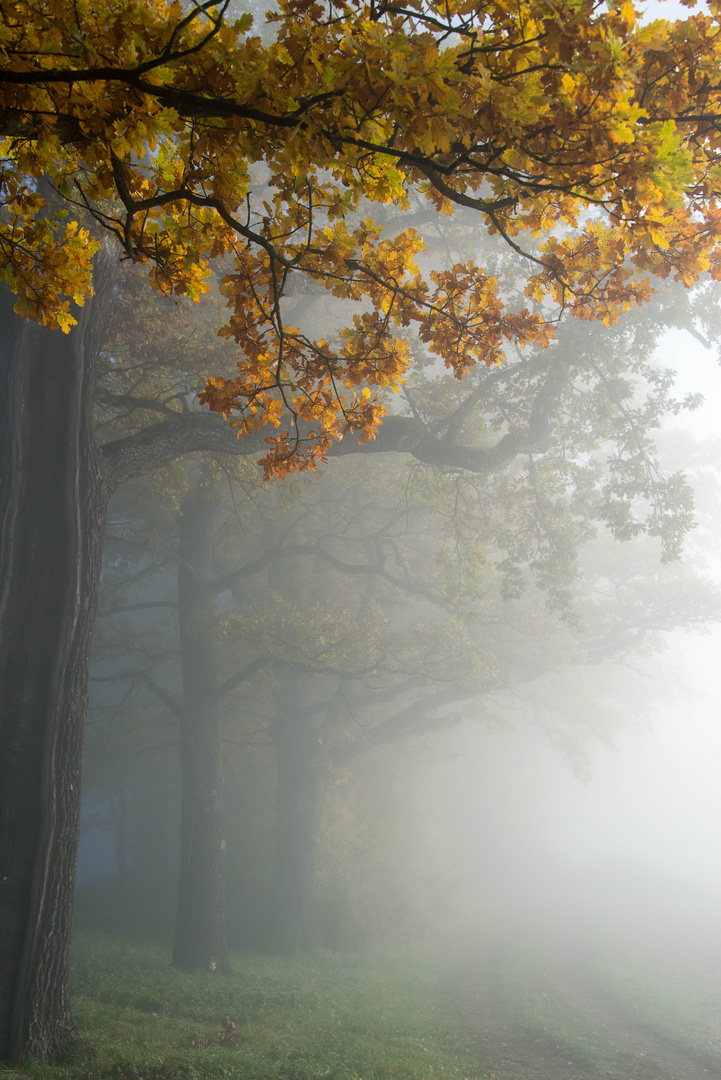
[137,607]
[15,123]
[161,443]
[406,434]
[130,402]
[193,104]
[193,432]
[167,700]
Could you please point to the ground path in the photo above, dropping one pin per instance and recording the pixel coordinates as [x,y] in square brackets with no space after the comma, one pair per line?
[569,1027]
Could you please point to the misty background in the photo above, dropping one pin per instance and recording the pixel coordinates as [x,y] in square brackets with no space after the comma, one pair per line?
[581,799]
[510,820]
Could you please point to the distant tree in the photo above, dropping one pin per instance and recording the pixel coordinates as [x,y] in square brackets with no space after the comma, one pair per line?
[168,545]
[56,482]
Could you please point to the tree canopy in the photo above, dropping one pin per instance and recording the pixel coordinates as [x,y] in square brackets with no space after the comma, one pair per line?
[584,141]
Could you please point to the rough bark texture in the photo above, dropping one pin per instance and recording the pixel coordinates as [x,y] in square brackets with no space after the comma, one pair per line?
[186,433]
[298,809]
[52,514]
[200,937]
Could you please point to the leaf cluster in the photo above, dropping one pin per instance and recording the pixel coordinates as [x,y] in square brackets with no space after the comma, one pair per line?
[587,143]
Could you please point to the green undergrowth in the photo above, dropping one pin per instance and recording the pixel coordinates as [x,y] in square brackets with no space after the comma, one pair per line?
[323,1016]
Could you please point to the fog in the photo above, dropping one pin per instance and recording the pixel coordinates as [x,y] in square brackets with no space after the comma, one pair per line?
[582,793]
[469,714]
[634,840]
[376,494]
[625,842]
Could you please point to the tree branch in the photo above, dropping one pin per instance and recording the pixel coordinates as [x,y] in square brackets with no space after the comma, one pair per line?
[161,443]
[128,400]
[163,696]
[194,432]
[406,434]
[419,716]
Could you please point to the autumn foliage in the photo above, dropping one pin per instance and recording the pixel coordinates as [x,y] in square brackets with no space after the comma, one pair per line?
[587,142]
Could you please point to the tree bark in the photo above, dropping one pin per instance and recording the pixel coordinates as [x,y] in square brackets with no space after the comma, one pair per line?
[53,497]
[200,935]
[298,810]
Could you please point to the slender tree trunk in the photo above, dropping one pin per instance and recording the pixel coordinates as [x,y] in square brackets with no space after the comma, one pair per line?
[53,498]
[200,935]
[298,810]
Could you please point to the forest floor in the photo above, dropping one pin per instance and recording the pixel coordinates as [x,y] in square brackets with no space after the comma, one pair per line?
[602,1010]
[322,1016]
[599,1009]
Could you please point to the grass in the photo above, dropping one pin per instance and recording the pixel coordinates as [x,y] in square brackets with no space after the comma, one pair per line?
[324,1017]
[392,1017]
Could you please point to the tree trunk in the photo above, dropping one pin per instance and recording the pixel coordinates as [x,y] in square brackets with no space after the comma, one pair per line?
[200,936]
[53,498]
[298,809]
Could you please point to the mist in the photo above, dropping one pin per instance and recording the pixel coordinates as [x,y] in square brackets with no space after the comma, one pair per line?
[631,843]
[383,529]
[387,709]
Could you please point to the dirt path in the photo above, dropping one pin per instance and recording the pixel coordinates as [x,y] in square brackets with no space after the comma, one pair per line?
[588,1035]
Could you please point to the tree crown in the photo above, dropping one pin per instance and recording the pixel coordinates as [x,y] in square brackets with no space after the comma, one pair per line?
[588,143]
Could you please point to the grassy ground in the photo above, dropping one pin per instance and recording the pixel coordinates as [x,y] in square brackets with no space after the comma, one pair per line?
[612,1012]
[330,1016]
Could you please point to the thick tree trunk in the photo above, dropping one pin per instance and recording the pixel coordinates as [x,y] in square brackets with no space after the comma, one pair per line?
[200,935]
[53,497]
[298,810]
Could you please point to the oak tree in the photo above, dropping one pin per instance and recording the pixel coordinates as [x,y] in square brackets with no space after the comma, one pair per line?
[585,143]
